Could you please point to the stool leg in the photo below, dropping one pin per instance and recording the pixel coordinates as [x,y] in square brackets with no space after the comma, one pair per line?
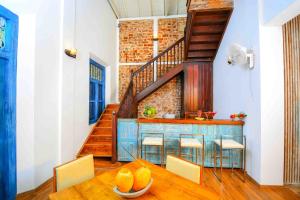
[215,157]
[161,156]
[244,163]
[179,150]
[221,161]
[231,159]
[196,156]
[145,154]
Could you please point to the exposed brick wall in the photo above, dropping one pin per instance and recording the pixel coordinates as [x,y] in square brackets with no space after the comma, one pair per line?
[169,31]
[124,78]
[210,4]
[167,99]
[136,44]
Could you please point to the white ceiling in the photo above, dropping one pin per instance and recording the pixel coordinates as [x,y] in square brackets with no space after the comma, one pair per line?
[147,8]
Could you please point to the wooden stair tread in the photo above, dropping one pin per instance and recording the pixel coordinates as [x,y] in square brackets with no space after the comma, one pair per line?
[99,141]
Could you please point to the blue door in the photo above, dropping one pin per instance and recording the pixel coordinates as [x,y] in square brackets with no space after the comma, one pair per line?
[8,67]
[97,91]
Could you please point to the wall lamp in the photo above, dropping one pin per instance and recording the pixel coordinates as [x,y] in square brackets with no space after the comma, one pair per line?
[71,52]
[155,37]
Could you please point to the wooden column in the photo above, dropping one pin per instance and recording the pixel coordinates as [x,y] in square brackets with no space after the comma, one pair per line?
[291,39]
[198,82]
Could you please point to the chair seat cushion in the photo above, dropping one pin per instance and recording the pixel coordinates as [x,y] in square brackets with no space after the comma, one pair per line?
[190,142]
[153,141]
[184,169]
[229,144]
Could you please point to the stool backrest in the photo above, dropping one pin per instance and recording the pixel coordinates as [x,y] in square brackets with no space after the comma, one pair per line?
[73,172]
[184,169]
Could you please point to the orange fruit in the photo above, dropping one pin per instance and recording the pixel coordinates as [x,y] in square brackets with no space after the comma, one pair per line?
[142,177]
[124,180]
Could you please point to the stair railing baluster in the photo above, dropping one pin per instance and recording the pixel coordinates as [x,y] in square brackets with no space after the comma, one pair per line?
[174,57]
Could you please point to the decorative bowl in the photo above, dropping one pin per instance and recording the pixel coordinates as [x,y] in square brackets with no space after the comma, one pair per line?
[169,116]
[131,195]
[209,115]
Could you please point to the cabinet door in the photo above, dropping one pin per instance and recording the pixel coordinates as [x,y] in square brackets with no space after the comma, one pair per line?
[127,139]
[130,154]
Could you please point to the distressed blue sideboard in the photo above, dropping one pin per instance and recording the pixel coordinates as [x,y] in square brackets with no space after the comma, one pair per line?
[131,130]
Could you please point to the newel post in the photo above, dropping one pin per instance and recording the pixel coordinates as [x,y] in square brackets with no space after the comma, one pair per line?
[114,137]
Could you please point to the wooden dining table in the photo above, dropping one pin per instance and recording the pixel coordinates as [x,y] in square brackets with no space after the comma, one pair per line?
[166,185]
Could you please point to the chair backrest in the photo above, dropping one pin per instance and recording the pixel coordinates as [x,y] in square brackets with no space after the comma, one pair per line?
[73,172]
[184,169]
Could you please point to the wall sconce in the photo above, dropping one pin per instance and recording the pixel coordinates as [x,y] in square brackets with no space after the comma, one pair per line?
[155,37]
[71,52]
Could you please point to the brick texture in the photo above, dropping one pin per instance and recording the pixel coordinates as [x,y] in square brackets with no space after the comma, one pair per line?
[167,99]
[169,31]
[210,4]
[136,44]
[124,78]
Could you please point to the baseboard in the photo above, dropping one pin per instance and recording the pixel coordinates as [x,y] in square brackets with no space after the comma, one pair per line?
[34,191]
[263,186]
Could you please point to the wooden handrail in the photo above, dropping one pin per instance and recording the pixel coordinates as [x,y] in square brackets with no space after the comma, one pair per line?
[158,56]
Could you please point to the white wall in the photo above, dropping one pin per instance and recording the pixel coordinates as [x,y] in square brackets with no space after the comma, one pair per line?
[237,88]
[272,106]
[53,89]
[95,38]
[38,63]
[46,101]
[25,103]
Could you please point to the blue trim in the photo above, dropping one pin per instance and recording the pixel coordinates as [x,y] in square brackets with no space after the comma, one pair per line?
[8,71]
[99,103]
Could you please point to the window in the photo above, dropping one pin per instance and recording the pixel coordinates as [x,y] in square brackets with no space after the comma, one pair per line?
[97,91]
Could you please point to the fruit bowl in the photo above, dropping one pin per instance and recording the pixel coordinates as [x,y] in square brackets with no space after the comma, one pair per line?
[132,194]
[149,111]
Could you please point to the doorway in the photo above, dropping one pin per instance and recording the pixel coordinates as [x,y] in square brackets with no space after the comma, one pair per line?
[97,91]
[8,68]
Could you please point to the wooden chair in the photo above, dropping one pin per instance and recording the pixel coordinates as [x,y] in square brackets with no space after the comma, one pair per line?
[72,173]
[185,169]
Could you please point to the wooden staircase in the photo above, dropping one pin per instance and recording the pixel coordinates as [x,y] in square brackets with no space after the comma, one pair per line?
[99,142]
[203,34]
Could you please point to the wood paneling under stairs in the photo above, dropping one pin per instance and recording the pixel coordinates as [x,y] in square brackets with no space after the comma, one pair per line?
[232,187]
[99,142]
[291,40]
[198,90]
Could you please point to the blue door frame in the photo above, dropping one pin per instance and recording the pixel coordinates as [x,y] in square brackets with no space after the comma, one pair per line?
[97,91]
[8,69]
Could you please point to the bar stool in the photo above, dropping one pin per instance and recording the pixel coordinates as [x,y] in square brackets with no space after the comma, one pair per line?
[192,141]
[231,145]
[153,139]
